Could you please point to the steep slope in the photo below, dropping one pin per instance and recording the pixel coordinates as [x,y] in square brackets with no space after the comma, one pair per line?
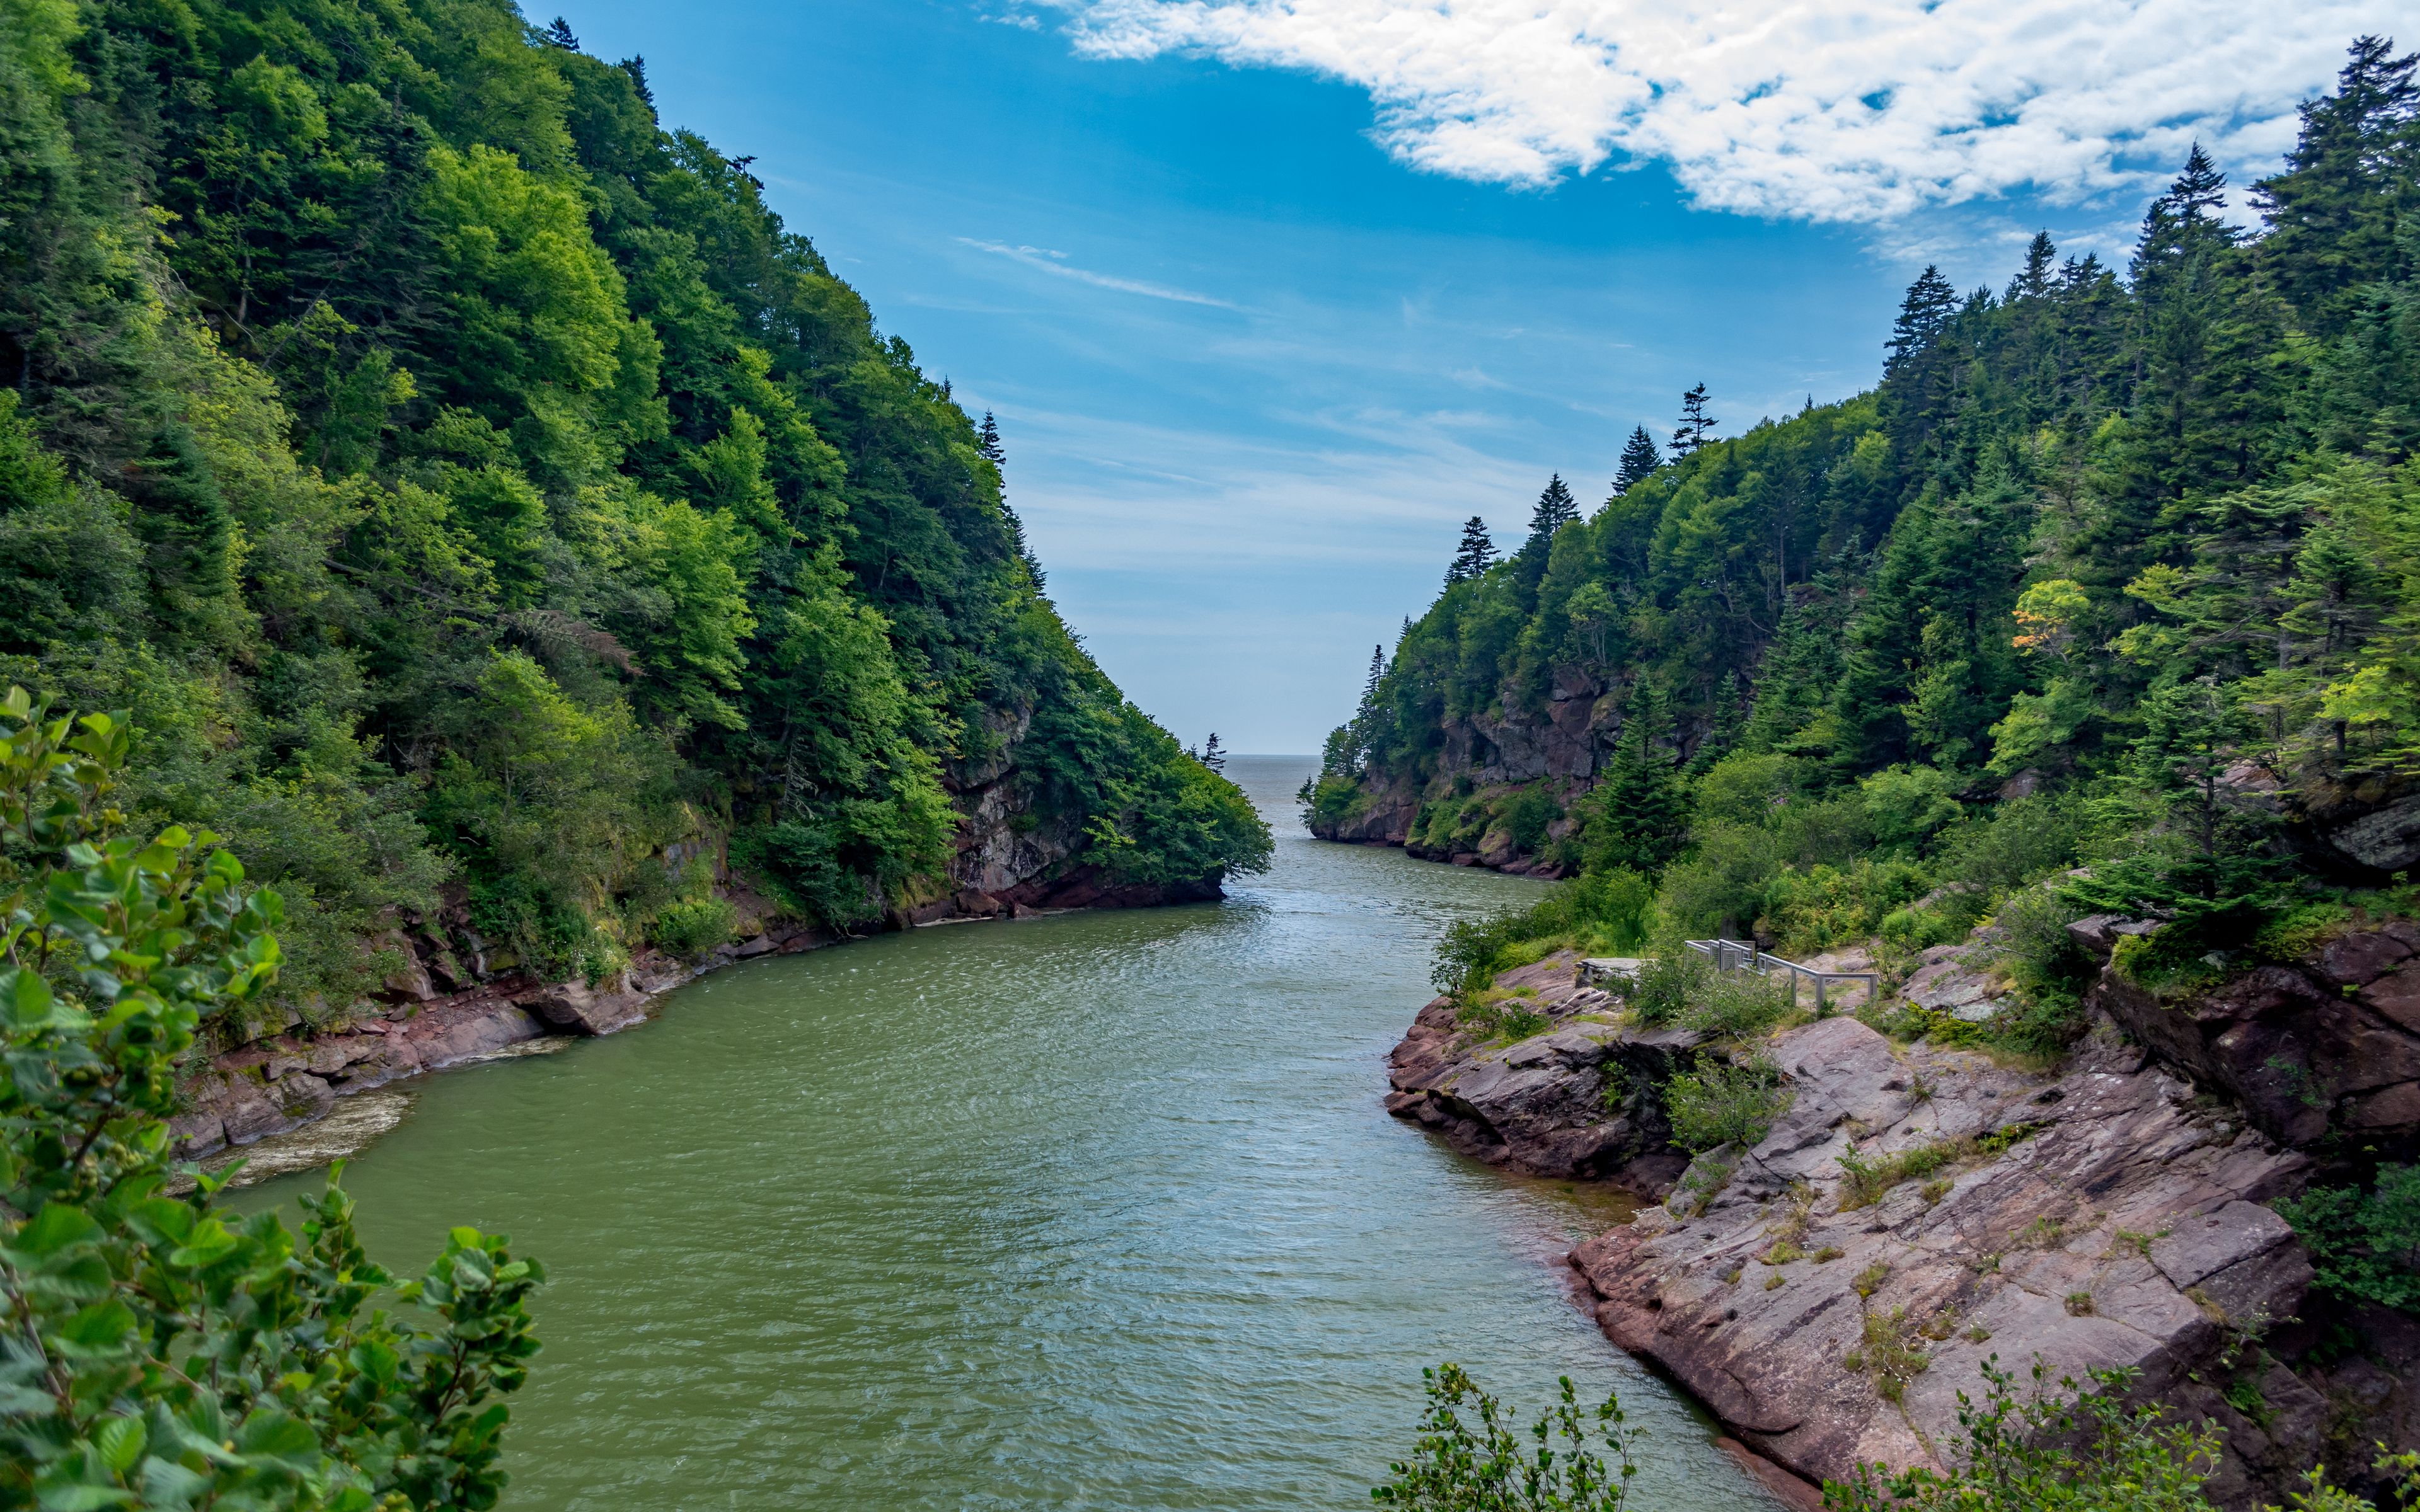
[506,531]
[2110,533]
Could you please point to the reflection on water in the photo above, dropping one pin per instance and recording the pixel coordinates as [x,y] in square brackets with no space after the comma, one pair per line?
[1099,1210]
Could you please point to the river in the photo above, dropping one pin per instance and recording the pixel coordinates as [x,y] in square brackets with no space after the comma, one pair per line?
[1096,1210]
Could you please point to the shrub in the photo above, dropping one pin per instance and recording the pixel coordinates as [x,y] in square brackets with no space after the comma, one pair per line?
[1720,889]
[1891,1352]
[1526,816]
[1822,905]
[1459,1466]
[2364,1245]
[2023,841]
[694,926]
[1721,1103]
[1907,806]
[1739,1004]
[2064,1452]
[164,1350]
[1666,986]
[2050,969]
[1602,912]
[1745,788]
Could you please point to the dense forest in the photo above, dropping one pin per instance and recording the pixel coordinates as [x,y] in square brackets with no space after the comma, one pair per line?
[477,496]
[2116,567]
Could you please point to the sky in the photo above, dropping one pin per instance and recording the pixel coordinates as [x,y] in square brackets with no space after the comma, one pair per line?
[1268,296]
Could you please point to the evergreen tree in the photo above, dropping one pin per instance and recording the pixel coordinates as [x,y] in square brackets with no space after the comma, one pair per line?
[1476,555]
[1213,756]
[1556,509]
[1728,724]
[2035,280]
[987,442]
[1639,457]
[558,35]
[1696,428]
[188,536]
[1636,817]
[1370,727]
[636,67]
[1923,314]
[2349,186]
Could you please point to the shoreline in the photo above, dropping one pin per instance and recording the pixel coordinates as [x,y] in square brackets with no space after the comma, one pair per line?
[1913,1211]
[289,1092]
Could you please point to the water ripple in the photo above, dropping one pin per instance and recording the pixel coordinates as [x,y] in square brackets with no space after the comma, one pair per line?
[1094,1211]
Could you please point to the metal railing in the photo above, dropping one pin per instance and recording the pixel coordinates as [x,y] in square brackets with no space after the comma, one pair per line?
[1743,955]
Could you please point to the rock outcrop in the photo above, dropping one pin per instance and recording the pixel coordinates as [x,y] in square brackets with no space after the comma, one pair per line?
[2092,1220]
[1915,1212]
[1541,1106]
[2331,1041]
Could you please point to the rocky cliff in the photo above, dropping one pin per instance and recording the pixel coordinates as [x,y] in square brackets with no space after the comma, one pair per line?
[1916,1212]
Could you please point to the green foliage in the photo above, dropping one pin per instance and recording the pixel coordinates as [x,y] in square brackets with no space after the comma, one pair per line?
[2113,569]
[1666,985]
[1865,1179]
[1467,1459]
[2067,1449]
[2364,1245]
[483,484]
[1598,914]
[1724,1103]
[693,926]
[162,1350]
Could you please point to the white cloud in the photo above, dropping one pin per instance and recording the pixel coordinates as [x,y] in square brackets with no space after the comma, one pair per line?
[1831,109]
[1055,262]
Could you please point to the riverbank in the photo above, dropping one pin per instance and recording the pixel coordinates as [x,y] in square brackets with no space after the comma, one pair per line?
[276,1085]
[1089,1212]
[1915,1212]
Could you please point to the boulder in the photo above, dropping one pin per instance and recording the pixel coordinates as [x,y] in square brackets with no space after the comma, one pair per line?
[579,1009]
[2384,839]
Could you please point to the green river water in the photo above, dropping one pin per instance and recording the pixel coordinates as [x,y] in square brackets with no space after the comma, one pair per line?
[1097,1211]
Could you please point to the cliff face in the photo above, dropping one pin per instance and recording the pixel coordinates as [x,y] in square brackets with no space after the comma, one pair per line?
[1561,748]
[1916,1212]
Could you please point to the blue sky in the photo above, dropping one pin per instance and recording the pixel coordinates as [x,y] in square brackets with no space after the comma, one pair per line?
[1268,297]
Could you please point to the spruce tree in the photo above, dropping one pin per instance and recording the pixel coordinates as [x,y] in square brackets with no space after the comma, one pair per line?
[1370,725]
[987,442]
[188,534]
[636,67]
[1923,314]
[1213,756]
[2034,281]
[2347,186]
[1639,457]
[559,35]
[1638,816]
[1476,555]
[1695,428]
[1556,509]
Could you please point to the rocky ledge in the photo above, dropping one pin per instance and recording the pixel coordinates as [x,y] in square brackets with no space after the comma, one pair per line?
[277,1085]
[1915,1212]
[1539,1107]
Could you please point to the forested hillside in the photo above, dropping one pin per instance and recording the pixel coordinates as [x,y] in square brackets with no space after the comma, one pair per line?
[2118,566]
[480,499]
